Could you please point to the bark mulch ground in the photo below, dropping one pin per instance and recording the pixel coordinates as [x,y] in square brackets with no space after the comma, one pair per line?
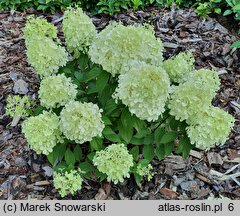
[25,175]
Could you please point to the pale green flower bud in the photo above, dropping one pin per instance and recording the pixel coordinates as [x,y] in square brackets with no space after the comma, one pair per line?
[67,182]
[56,91]
[17,106]
[210,128]
[42,132]
[179,67]
[115,161]
[144,89]
[145,171]
[79,31]
[81,121]
[117,44]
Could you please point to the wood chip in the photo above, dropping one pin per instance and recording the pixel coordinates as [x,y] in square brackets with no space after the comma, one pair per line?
[42,183]
[196,154]
[168,193]
[214,158]
[203,178]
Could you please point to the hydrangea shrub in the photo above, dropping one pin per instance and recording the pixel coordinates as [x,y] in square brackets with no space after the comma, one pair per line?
[112,104]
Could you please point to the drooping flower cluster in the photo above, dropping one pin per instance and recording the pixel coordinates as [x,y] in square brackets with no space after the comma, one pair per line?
[210,128]
[42,132]
[117,44]
[18,106]
[144,89]
[56,91]
[44,54]
[81,121]
[79,31]
[115,161]
[67,182]
[179,67]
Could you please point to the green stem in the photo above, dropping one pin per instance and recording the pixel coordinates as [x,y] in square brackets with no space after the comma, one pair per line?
[15,120]
[164,120]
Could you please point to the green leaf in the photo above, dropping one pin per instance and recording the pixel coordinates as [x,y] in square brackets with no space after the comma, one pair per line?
[79,76]
[69,157]
[57,154]
[86,167]
[106,94]
[83,62]
[143,133]
[91,88]
[184,147]
[148,152]
[134,152]
[138,124]
[91,155]
[168,137]
[110,106]
[173,123]
[60,166]
[125,132]
[51,158]
[138,179]
[158,134]
[236,7]
[126,118]
[78,153]
[136,141]
[236,44]
[97,144]
[168,148]
[110,135]
[38,110]
[227,12]
[106,120]
[217,10]
[160,152]
[101,175]
[148,139]
[92,74]
[102,80]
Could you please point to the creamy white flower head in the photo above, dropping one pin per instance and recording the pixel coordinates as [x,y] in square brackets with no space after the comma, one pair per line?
[42,132]
[81,121]
[115,161]
[210,128]
[117,44]
[207,79]
[79,31]
[188,99]
[38,27]
[56,91]
[67,182]
[179,67]
[144,89]
[45,55]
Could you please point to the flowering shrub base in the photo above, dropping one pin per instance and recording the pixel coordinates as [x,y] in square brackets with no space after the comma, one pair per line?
[153,116]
